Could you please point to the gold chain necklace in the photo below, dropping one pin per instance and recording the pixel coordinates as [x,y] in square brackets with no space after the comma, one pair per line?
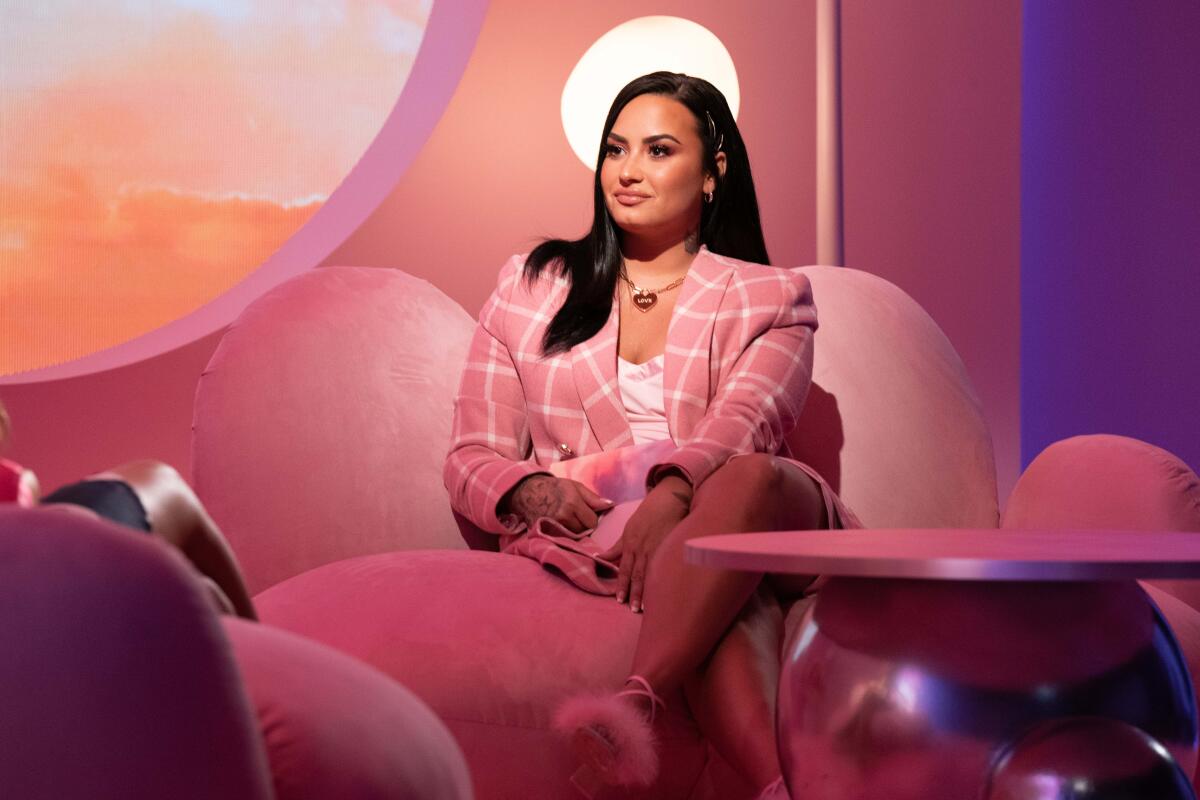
[646,299]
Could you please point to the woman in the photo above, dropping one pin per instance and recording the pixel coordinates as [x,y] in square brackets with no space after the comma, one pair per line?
[653,329]
[148,496]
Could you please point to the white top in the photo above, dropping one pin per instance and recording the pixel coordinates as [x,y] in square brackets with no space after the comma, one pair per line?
[642,395]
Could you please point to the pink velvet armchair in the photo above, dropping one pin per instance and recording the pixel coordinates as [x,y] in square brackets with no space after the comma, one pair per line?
[320,429]
[121,681]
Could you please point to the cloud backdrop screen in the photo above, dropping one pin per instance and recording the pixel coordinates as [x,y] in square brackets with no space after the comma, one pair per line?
[153,154]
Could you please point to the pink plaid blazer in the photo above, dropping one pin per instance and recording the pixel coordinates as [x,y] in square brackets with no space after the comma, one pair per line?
[738,364]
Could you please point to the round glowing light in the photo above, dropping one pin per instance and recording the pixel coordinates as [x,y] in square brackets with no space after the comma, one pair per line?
[632,49]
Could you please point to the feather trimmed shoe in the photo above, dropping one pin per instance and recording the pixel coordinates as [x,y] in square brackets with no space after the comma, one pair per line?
[613,740]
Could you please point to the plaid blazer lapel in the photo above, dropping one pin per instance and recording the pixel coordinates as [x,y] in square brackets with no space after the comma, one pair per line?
[688,367]
[594,366]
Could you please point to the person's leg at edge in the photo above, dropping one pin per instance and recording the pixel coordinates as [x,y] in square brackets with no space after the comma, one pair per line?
[176,514]
[689,634]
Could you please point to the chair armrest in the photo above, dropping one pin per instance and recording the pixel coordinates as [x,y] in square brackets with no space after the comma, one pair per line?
[118,679]
[1105,481]
[1114,482]
[335,727]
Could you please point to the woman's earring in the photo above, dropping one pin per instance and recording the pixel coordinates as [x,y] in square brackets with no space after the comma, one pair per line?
[708,197]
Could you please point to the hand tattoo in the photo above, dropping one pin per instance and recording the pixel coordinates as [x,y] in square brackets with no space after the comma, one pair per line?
[539,496]
[683,497]
[680,489]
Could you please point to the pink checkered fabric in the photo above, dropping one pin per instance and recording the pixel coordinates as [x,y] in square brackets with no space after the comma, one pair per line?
[576,556]
[737,369]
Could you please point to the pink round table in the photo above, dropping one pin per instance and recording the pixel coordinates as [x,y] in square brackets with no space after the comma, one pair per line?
[965,664]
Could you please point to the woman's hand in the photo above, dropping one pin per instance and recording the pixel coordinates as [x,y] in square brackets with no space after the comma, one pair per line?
[567,502]
[663,508]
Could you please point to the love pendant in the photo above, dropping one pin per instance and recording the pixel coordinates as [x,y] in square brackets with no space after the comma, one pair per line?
[644,300]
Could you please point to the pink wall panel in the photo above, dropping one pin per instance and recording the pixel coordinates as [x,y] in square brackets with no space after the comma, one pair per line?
[497,173]
[931,93]
[931,105]
[66,429]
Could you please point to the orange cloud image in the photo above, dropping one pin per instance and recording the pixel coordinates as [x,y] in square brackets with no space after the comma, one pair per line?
[151,159]
[79,272]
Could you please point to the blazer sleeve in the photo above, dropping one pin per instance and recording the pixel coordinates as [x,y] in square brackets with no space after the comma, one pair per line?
[760,398]
[489,442]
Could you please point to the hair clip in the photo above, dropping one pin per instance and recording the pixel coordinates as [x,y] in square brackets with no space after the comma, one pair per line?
[712,131]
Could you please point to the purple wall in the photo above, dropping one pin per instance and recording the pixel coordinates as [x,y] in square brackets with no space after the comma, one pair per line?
[1110,218]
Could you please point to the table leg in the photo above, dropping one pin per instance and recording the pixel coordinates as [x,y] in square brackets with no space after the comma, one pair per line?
[921,689]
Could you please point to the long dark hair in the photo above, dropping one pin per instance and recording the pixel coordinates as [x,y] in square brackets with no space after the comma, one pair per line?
[729,225]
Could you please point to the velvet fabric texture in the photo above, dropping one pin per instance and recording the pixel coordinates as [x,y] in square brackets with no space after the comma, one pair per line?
[118,680]
[121,682]
[492,643]
[334,727]
[1104,481]
[341,383]
[323,419]
[1107,481]
[891,420]
[321,424]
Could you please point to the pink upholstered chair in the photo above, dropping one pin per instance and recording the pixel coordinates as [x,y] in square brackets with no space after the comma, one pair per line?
[1125,484]
[320,429]
[120,681]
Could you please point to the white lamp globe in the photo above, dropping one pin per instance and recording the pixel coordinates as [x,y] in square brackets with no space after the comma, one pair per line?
[628,51]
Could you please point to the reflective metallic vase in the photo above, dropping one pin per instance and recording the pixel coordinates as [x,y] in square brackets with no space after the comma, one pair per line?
[920,689]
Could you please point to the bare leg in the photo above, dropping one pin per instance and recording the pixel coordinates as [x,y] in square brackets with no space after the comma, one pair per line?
[732,695]
[176,514]
[689,611]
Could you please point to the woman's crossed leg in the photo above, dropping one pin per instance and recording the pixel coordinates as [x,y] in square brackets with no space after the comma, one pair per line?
[708,630]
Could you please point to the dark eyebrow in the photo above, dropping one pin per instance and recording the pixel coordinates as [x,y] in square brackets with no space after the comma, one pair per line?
[647,140]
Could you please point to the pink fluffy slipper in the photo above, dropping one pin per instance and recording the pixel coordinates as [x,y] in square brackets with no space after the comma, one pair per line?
[613,740]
